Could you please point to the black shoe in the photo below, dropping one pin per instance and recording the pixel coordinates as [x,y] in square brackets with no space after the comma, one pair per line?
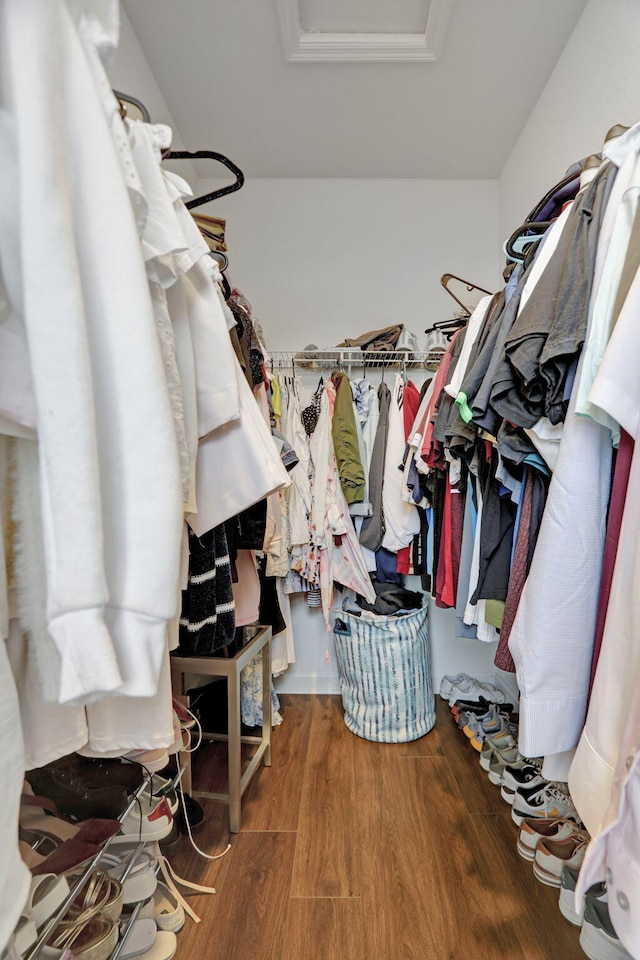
[195,813]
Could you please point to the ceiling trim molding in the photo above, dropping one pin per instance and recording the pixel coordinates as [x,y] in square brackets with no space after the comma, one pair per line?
[302,46]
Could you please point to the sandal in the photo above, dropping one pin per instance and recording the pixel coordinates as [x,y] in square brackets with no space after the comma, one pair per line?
[47,893]
[93,938]
[140,939]
[164,947]
[101,890]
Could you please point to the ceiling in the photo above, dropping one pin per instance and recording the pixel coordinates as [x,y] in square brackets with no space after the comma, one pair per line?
[223,68]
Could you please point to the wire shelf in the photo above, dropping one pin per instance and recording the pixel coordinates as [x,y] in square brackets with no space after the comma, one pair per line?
[350,357]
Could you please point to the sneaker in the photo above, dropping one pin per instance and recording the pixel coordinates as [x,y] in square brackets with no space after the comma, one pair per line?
[479,707]
[469,706]
[533,829]
[507,795]
[545,800]
[474,689]
[493,760]
[151,819]
[501,759]
[566,901]
[492,724]
[552,855]
[598,937]
[504,739]
[159,787]
[524,775]
[448,683]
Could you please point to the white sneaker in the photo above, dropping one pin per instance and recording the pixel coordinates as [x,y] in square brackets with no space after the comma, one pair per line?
[532,830]
[470,689]
[447,684]
[567,898]
[598,938]
[546,801]
[552,855]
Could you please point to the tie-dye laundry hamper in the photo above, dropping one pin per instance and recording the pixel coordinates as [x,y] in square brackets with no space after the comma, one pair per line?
[385,675]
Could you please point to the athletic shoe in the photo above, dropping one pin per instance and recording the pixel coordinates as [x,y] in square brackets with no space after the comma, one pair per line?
[533,830]
[598,937]
[516,776]
[474,689]
[505,739]
[448,683]
[545,800]
[476,730]
[567,899]
[501,759]
[479,707]
[150,819]
[491,758]
[552,855]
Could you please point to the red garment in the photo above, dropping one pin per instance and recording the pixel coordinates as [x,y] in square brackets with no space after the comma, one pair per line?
[440,382]
[614,521]
[410,404]
[457,524]
[445,592]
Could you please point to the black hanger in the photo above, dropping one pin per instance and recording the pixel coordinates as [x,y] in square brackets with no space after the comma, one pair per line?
[537,231]
[449,327]
[209,155]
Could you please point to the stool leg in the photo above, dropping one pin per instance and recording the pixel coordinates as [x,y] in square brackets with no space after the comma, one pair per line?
[235,757]
[266,701]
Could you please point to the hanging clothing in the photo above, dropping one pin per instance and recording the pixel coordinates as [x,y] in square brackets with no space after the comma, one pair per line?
[615,686]
[373,526]
[207,621]
[340,556]
[345,441]
[401,519]
[237,466]
[109,627]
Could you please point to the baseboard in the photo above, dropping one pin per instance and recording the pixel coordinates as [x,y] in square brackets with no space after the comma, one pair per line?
[307,683]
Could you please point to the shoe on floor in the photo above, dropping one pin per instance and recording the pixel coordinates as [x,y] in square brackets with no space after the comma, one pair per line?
[470,689]
[598,937]
[500,759]
[526,774]
[546,801]
[533,829]
[552,855]
[168,912]
[448,683]
[567,898]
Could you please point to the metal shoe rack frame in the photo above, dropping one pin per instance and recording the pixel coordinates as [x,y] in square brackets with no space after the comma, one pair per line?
[62,911]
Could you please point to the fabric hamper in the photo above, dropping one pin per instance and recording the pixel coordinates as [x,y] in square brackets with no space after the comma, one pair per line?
[385,676]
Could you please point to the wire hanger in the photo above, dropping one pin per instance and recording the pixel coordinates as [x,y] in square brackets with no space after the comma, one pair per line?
[125,100]
[210,155]
[444,280]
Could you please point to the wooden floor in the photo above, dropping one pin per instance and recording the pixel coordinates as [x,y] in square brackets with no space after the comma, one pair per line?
[352,850]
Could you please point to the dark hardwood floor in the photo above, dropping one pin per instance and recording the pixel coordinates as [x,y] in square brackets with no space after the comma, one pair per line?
[352,850]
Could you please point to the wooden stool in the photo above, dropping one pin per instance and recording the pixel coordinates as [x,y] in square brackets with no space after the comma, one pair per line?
[230,668]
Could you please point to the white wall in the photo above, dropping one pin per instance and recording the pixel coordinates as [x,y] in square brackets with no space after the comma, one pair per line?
[595,84]
[321,260]
[129,72]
